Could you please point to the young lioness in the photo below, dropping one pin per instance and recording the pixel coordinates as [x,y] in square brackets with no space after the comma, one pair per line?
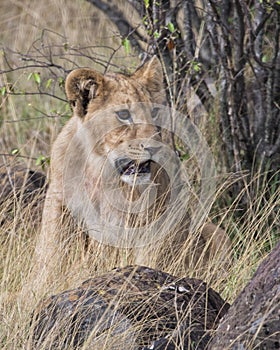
[111,169]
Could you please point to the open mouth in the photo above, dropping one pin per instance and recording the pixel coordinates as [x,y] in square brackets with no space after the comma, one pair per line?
[127,166]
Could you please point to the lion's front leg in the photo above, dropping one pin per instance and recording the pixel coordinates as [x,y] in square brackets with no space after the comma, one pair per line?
[48,249]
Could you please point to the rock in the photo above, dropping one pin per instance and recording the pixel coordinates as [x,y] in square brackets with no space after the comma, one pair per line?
[129,308]
[19,185]
[253,321]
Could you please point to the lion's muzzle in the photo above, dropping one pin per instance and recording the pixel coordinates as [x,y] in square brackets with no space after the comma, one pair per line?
[127,166]
[133,171]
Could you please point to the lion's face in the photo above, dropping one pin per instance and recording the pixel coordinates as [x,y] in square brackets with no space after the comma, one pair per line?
[133,142]
[121,114]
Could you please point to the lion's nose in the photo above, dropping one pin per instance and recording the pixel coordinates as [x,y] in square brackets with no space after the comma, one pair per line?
[152,150]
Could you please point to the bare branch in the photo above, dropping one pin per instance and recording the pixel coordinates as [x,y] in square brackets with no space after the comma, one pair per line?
[123,25]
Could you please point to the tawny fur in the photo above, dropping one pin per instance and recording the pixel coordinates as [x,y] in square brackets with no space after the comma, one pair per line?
[91,93]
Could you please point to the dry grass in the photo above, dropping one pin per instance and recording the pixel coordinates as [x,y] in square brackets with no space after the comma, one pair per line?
[17,246]
[24,127]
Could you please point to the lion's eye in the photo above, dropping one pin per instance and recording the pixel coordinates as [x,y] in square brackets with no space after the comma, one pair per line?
[124,115]
[155,112]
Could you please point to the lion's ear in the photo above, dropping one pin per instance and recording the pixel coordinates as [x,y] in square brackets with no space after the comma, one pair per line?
[81,86]
[151,75]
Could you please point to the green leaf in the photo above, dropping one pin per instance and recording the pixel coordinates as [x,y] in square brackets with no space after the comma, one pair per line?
[37,78]
[126,45]
[42,161]
[171,27]
[15,151]
[144,20]
[61,82]
[3,91]
[196,67]
[48,83]
[156,34]
[264,58]
[147,3]
[185,156]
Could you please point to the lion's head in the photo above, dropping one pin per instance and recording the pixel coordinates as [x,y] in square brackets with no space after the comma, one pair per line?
[123,113]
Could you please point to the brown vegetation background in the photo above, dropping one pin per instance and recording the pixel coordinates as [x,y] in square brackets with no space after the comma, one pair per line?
[81,35]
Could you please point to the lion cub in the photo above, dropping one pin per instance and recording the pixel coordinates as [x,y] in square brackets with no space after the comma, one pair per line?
[112,170]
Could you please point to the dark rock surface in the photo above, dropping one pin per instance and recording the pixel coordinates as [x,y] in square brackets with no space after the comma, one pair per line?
[21,187]
[253,320]
[129,308]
